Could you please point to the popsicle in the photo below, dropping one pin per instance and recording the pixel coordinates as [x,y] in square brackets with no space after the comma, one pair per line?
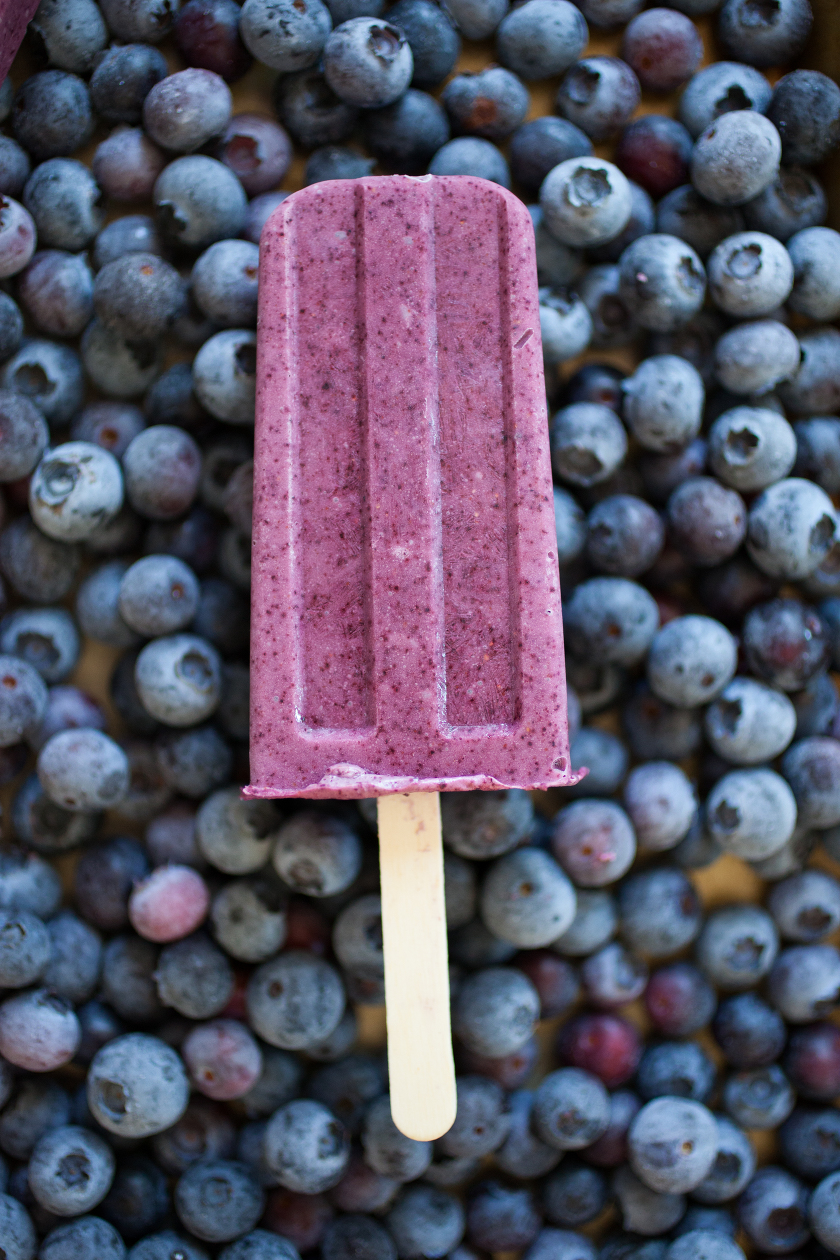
[14,17]
[406,627]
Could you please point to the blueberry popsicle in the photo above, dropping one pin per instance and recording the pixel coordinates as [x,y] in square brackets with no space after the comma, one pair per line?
[14,16]
[406,627]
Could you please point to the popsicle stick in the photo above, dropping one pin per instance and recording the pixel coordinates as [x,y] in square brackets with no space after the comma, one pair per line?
[420,1066]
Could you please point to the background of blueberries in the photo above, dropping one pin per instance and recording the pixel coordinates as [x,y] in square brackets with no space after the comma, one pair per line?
[645,971]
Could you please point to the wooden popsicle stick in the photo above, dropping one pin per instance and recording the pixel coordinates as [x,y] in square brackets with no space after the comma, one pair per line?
[420,1066]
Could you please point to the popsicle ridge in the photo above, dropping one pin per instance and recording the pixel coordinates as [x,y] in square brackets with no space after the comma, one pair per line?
[407,633]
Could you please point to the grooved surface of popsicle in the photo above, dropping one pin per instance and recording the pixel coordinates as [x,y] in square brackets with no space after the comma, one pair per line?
[406,611]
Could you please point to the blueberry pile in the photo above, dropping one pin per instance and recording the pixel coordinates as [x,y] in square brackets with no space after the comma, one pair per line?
[180,969]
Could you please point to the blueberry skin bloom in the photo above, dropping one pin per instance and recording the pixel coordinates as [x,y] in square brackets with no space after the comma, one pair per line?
[368,62]
[736,158]
[137,1086]
[585,201]
[74,490]
[672,1144]
[285,35]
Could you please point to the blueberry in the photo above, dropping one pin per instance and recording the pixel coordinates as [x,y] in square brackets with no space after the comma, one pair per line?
[679,1000]
[158,595]
[295,1001]
[565,326]
[523,1154]
[812,767]
[540,144]
[495,1011]
[256,150]
[75,489]
[533,918]
[46,638]
[56,290]
[611,620]
[485,824]
[750,274]
[751,447]
[752,358]
[810,1142]
[815,253]
[387,1151]
[613,324]
[51,114]
[122,78]
[541,39]
[719,89]
[707,521]
[749,723]
[283,37]
[18,1232]
[661,804]
[673,1143]
[805,981]
[23,435]
[83,770]
[11,326]
[736,158]
[691,660]
[406,135]
[426,1219]
[574,1195]
[73,970]
[822,1212]
[104,878]
[199,201]
[749,1032]
[498,1215]
[806,906]
[641,223]
[703,1244]
[71,1170]
[594,842]
[17,237]
[207,35]
[570,526]
[15,167]
[218,1200]
[585,201]
[162,467]
[612,976]
[700,223]
[761,36]
[659,912]
[662,281]
[588,442]
[805,108]
[791,528]
[185,110]
[119,366]
[794,202]
[772,1211]
[477,19]
[160,1247]
[599,95]
[138,296]
[815,389]
[368,62]
[86,1238]
[664,48]
[38,1031]
[310,110]
[491,103]
[39,568]
[606,758]
[431,36]
[594,924]
[655,151]
[644,1211]
[225,375]
[470,155]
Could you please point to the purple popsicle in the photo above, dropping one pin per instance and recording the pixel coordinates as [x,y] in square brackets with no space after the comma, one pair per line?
[14,16]
[406,631]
